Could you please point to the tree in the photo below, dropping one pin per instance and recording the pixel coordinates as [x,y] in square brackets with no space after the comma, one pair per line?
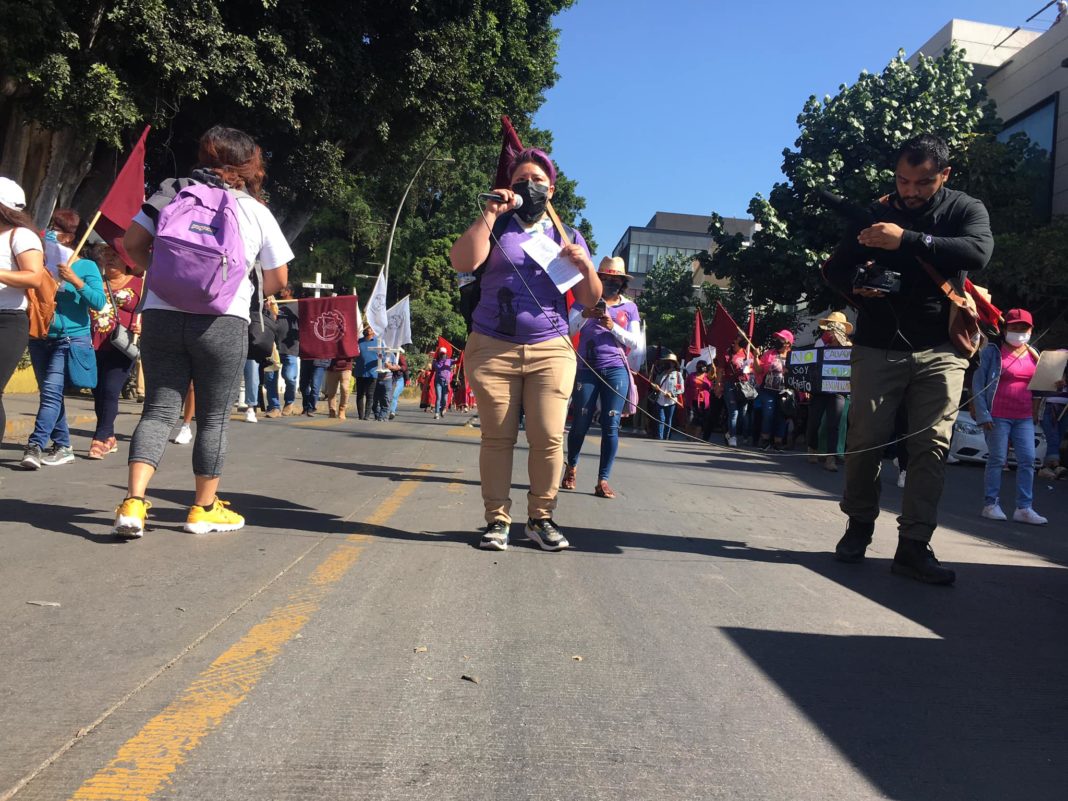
[846,144]
[667,302]
[334,89]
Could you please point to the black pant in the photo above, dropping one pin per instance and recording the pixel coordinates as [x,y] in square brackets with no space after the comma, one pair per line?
[14,335]
[832,405]
[365,393]
[112,370]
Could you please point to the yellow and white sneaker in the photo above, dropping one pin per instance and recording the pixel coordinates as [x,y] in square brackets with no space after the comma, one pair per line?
[206,519]
[130,518]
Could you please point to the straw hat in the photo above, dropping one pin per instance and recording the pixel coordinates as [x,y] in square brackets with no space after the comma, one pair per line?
[671,357]
[612,265]
[836,317]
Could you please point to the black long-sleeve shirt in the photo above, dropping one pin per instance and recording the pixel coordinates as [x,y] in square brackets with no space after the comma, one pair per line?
[951,233]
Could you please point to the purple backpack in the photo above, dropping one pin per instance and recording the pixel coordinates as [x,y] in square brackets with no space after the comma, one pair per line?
[198,257]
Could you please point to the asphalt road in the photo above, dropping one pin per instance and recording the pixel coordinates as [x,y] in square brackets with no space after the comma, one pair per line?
[696,643]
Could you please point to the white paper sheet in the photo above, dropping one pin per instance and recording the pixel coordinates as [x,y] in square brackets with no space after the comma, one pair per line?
[1051,364]
[546,252]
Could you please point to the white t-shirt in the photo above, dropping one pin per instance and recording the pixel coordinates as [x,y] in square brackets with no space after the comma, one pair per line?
[14,297]
[264,242]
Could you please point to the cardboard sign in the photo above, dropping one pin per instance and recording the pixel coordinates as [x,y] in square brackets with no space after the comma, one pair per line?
[820,370]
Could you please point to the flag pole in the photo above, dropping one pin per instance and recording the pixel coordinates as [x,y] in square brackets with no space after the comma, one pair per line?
[77,251]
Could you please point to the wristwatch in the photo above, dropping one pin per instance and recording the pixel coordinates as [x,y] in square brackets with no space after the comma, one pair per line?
[927,240]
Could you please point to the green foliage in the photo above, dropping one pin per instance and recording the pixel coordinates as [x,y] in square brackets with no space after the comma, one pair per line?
[846,143]
[667,302]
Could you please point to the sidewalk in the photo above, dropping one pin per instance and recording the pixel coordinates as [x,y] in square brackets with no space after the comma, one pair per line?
[22,411]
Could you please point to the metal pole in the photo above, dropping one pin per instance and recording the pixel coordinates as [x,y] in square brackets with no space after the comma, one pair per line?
[400,208]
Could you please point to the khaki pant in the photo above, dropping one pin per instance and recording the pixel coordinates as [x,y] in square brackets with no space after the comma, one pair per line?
[929,383]
[539,379]
[337,384]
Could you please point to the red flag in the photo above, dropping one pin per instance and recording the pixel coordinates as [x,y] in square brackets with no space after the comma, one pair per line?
[328,328]
[510,147]
[722,333]
[697,338]
[988,312]
[444,343]
[124,199]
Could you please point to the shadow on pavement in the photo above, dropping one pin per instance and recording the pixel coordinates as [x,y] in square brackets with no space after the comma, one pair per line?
[59,519]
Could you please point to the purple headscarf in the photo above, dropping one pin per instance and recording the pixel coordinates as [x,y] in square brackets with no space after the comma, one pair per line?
[532,155]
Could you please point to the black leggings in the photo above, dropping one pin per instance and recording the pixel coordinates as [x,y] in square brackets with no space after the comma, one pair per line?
[14,336]
[112,370]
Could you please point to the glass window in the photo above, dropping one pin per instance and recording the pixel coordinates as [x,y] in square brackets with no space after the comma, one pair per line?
[1034,133]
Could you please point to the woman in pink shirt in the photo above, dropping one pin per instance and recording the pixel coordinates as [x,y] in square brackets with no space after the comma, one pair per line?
[1005,409]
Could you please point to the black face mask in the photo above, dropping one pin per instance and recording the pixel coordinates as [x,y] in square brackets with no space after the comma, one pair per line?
[535,196]
[610,288]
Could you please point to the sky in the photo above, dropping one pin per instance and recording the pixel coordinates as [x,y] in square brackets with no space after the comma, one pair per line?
[687,105]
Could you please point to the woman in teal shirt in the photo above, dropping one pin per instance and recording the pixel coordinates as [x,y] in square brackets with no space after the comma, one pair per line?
[81,289]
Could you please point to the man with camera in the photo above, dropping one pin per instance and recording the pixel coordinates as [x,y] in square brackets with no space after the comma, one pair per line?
[902,350]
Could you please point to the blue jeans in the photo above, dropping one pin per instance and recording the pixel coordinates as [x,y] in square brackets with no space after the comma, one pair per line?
[610,387]
[383,396]
[49,359]
[290,372]
[311,383]
[1054,430]
[252,382]
[772,423]
[739,413]
[441,387]
[398,388]
[665,414]
[1022,435]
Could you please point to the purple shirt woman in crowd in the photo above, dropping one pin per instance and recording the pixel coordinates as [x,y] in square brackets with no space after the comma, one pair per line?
[519,354]
[606,333]
[442,369]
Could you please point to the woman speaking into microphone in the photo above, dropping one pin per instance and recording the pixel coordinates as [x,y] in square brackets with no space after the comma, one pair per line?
[518,355]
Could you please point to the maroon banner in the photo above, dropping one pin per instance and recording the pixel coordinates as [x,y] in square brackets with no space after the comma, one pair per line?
[124,199]
[328,328]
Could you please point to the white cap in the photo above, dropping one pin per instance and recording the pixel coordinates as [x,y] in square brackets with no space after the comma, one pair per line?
[11,194]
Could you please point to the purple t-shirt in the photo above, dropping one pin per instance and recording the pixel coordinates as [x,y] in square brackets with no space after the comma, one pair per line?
[506,309]
[442,369]
[598,345]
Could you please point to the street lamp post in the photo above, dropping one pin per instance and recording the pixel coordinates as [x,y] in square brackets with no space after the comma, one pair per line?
[400,207]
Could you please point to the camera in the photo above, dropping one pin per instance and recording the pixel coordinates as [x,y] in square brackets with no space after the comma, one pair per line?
[876,278]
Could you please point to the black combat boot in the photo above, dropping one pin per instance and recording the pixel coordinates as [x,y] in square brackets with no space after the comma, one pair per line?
[855,541]
[915,559]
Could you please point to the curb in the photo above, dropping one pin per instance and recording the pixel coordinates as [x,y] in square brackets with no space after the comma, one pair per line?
[22,428]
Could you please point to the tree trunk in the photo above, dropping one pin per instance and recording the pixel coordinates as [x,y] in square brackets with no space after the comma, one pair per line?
[48,165]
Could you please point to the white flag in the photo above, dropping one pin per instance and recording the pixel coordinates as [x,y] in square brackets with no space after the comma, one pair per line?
[375,312]
[399,326]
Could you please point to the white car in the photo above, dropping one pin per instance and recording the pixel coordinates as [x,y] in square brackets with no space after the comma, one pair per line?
[969,443]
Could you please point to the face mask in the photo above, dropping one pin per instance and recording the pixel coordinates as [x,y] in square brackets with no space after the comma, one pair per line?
[1017,338]
[535,196]
[51,236]
[611,288]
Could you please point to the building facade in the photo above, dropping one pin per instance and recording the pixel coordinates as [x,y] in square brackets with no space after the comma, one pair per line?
[668,234]
[1024,74]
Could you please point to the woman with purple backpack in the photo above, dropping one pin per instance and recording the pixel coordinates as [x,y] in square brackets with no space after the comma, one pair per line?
[202,237]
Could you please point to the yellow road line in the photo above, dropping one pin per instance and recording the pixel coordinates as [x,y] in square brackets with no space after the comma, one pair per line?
[147,761]
[464,431]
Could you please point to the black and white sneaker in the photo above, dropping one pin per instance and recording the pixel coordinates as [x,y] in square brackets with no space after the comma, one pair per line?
[31,458]
[546,534]
[495,537]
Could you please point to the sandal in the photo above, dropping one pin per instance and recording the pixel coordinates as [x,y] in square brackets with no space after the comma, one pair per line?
[112,445]
[568,481]
[602,490]
[97,449]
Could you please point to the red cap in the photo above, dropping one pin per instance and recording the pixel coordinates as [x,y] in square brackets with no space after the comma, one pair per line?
[1019,316]
[785,336]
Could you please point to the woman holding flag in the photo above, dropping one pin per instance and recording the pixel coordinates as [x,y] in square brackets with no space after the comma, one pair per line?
[519,353]
[606,332]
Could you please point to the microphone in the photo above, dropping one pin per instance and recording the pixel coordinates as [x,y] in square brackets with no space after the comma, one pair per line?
[498,199]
